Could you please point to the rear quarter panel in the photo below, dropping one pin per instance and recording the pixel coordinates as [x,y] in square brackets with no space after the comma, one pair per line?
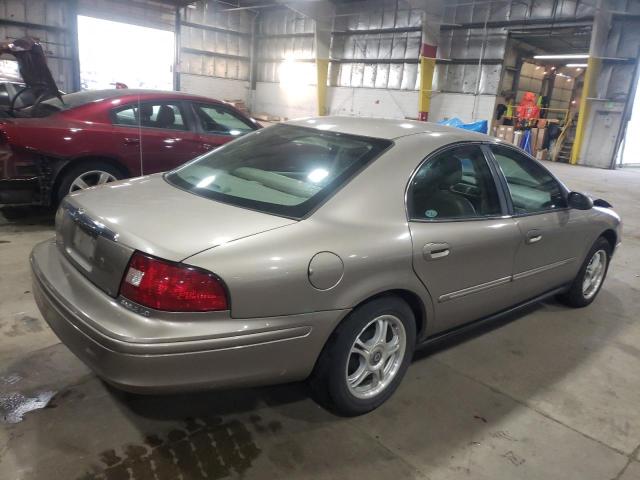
[364,223]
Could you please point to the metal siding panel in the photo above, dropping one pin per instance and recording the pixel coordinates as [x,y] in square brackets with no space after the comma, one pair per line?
[490,79]
[382,75]
[413,45]
[388,19]
[402,19]
[470,76]
[221,67]
[386,43]
[542,9]
[344,78]
[409,76]
[243,72]
[395,76]
[357,73]
[372,47]
[399,46]
[369,76]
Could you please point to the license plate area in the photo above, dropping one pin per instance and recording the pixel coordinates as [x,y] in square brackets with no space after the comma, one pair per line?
[82,247]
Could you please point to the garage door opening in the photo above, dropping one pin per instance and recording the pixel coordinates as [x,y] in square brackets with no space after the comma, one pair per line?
[631,146]
[115,52]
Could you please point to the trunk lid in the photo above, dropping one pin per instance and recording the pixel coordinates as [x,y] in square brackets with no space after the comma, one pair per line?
[99,229]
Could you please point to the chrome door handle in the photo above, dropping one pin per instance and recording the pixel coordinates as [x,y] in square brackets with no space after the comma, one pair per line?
[533,236]
[434,251]
[131,141]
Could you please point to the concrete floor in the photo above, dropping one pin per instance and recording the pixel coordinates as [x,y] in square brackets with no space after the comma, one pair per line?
[554,394]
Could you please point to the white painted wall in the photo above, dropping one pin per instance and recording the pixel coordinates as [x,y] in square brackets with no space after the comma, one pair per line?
[300,101]
[466,107]
[215,87]
[373,102]
[282,100]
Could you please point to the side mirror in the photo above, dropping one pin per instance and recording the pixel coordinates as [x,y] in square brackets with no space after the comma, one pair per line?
[580,201]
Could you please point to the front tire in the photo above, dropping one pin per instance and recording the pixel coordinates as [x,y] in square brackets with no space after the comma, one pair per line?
[366,358]
[590,278]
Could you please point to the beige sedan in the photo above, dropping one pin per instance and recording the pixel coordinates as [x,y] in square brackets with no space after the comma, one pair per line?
[327,248]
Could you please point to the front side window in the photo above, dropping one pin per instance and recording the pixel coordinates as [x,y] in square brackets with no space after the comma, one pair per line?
[455,184]
[217,119]
[284,169]
[532,188]
[165,115]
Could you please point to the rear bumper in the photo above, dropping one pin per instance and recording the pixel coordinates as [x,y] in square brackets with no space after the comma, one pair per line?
[250,352]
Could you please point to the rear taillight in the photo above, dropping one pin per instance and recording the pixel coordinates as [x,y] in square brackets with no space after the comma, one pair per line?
[174,287]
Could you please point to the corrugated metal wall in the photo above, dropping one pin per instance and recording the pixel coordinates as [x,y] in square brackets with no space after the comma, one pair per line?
[215,42]
[377,48]
[48,21]
[284,36]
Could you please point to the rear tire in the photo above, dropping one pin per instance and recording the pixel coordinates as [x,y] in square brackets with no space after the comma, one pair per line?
[90,173]
[366,357]
[590,278]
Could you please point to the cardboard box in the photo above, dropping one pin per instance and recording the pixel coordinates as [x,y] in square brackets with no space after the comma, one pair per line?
[505,133]
[517,138]
[534,140]
[540,140]
[542,154]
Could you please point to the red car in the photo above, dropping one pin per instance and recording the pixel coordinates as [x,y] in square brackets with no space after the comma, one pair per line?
[100,136]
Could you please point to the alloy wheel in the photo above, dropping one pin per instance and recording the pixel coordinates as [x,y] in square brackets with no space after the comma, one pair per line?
[376,356]
[91,179]
[594,274]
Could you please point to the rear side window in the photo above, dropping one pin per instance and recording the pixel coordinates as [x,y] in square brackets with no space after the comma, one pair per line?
[218,120]
[455,184]
[165,115]
[284,169]
[4,95]
[533,189]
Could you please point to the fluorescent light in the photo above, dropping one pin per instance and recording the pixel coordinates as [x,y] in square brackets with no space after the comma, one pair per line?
[565,55]
[576,65]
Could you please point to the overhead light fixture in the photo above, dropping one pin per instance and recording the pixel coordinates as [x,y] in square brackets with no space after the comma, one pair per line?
[562,56]
[576,65]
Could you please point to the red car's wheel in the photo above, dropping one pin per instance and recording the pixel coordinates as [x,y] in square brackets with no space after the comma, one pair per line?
[85,175]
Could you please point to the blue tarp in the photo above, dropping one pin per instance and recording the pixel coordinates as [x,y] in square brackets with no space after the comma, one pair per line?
[479,126]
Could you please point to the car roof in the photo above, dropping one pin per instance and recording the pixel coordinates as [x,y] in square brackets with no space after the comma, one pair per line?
[87,96]
[387,128]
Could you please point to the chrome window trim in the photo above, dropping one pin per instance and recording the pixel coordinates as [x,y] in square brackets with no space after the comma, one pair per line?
[462,143]
[505,185]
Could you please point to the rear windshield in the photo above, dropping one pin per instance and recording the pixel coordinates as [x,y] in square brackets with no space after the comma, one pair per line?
[69,100]
[285,170]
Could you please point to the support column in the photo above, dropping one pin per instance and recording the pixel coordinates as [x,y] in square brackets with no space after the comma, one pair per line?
[323,43]
[428,53]
[597,46]
[177,47]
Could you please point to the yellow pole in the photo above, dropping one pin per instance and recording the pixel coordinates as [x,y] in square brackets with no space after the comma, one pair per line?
[427,67]
[588,90]
[322,66]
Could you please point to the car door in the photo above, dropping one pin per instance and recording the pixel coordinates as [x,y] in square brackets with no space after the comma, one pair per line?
[463,246]
[219,124]
[160,131]
[551,239]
